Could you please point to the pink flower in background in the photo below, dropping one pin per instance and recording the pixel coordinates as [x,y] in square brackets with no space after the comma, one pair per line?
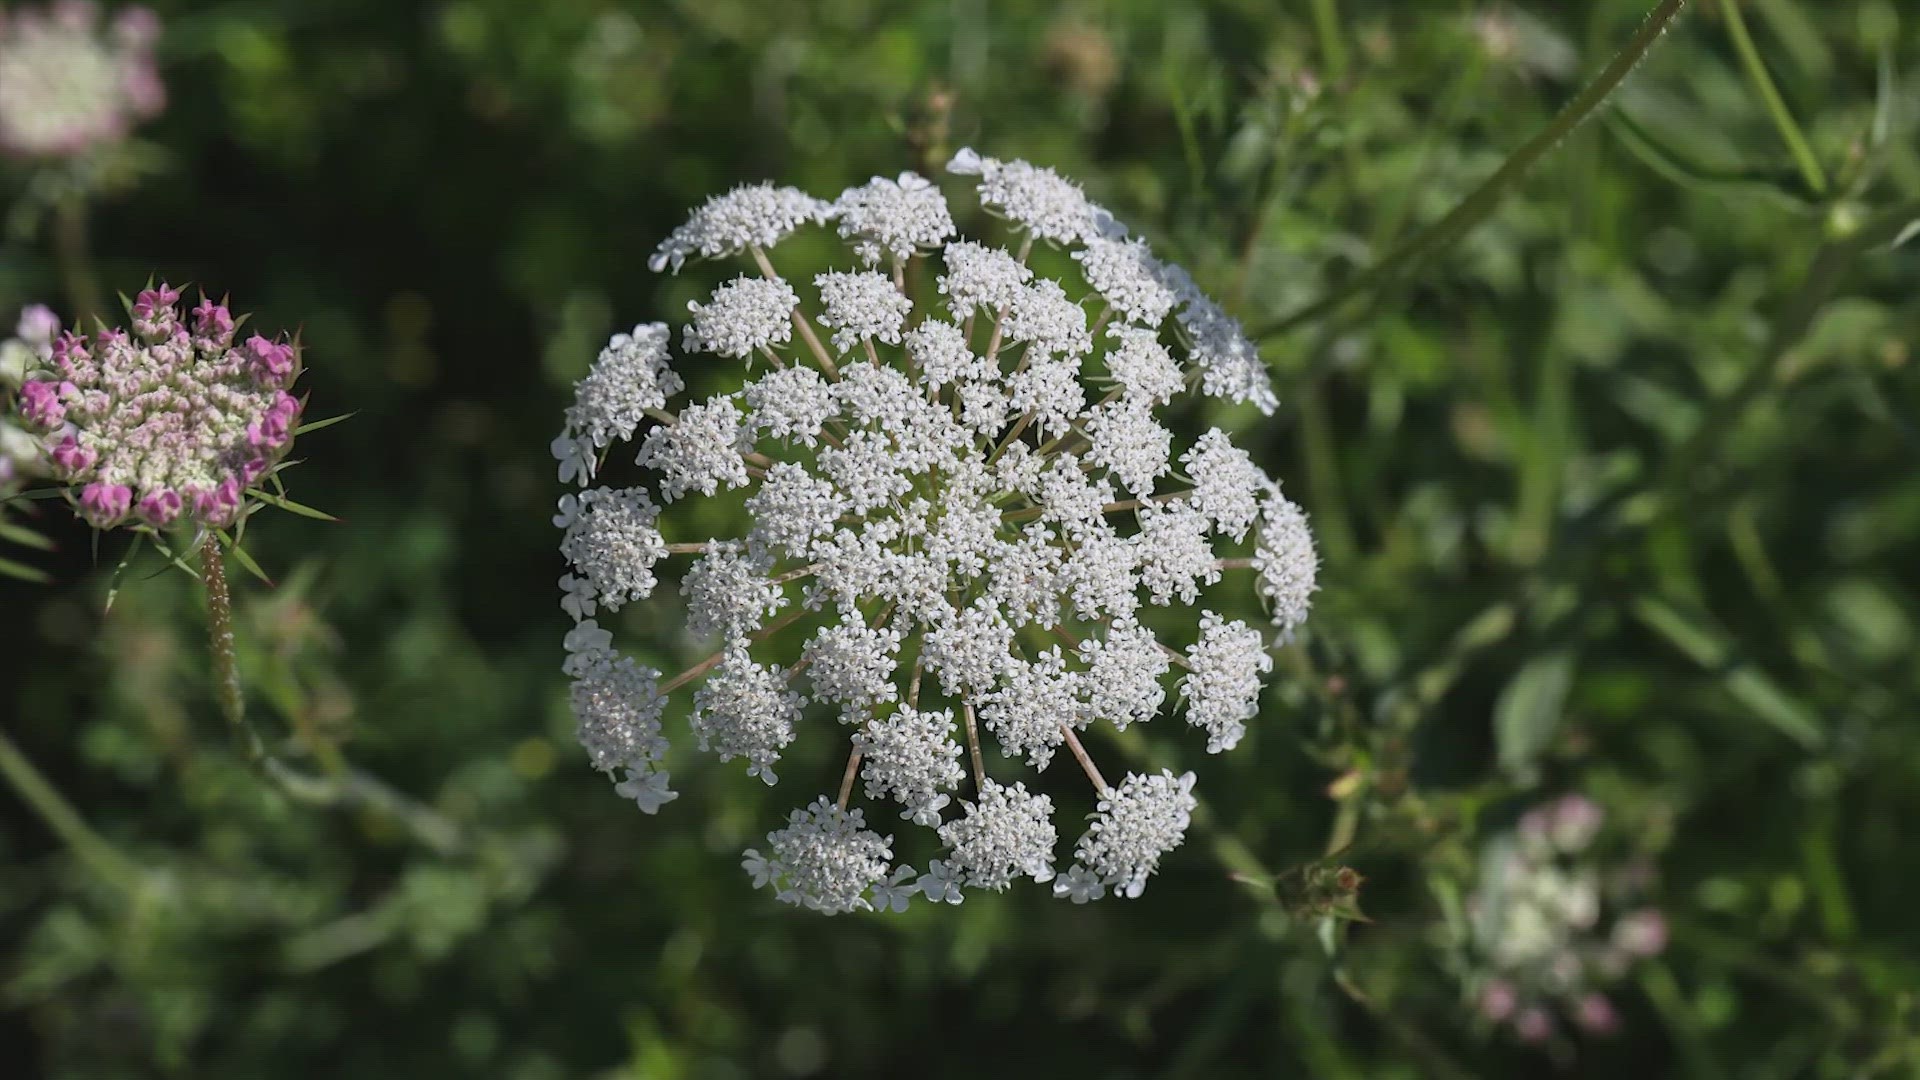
[69,83]
[168,424]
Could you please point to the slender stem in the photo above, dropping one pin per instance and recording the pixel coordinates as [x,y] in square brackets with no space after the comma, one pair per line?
[349,786]
[772,357]
[224,654]
[713,661]
[692,673]
[1333,48]
[973,749]
[913,686]
[800,321]
[993,340]
[62,819]
[1483,200]
[846,779]
[689,549]
[1790,133]
[1233,564]
[1086,763]
[70,247]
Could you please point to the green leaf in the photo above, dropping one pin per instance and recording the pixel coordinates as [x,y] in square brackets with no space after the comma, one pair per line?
[290,506]
[24,537]
[113,581]
[1782,185]
[1527,716]
[327,423]
[1710,648]
[23,572]
[240,555]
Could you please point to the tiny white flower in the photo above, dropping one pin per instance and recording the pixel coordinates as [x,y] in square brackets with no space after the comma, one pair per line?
[648,790]
[897,892]
[940,883]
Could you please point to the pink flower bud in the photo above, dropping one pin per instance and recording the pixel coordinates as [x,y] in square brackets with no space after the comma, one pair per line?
[136,27]
[39,326]
[160,508]
[212,326]
[152,301]
[153,314]
[41,404]
[1576,820]
[70,459]
[70,350]
[217,507]
[103,505]
[1595,1015]
[1641,933]
[1498,1000]
[1533,1025]
[272,361]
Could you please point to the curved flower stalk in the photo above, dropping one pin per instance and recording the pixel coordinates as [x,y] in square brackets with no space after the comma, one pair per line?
[68,83]
[965,515]
[1551,928]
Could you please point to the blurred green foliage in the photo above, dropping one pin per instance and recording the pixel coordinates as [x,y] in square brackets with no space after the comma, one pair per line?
[1617,493]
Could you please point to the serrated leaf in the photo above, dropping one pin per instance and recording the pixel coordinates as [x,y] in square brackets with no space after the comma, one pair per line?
[1527,716]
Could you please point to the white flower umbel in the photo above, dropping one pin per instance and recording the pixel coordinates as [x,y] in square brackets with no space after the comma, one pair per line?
[970,535]
[1137,823]
[893,218]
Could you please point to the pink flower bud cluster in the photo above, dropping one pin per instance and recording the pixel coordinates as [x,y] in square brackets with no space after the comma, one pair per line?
[170,423]
[68,83]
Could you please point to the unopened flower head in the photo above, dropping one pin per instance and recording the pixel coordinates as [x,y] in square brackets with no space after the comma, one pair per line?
[68,83]
[30,348]
[172,422]
[1553,927]
[965,512]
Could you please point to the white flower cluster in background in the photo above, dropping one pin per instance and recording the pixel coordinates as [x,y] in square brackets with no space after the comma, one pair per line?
[969,532]
[1552,927]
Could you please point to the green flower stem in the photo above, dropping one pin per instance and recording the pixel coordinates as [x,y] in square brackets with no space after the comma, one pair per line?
[1790,133]
[63,820]
[345,787]
[1483,200]
[70,249]
[1333,48]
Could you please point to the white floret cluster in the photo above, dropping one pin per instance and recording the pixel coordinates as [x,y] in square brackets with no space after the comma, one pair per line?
[969,532]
